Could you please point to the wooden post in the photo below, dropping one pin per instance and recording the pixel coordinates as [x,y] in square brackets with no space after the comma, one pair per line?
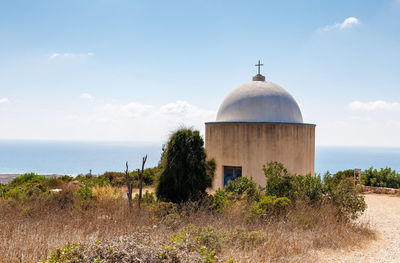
[357,176]
[140,177]
[129,184]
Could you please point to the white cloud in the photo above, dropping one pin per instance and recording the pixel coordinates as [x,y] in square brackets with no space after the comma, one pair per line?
[139,121]
[3,100]
[346,24]
[86,96]
[176,111]
[377,105]
[57,55]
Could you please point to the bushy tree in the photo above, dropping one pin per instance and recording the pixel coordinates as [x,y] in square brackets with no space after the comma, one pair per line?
[183,174]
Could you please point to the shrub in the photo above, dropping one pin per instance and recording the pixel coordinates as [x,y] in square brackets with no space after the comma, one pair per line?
[85,196]
[63,200]
[278,181]
[204,240]
[385,177]
[55,182]
[246,238]
[115,178]
[210,170]
[68,253]
[338,189]
[91,181]
[344,195]
[307,188]
[26,178]
[244,186]
[220,201]
[147,198]
[270,205]
[341,175]
[183,169]
[25,187]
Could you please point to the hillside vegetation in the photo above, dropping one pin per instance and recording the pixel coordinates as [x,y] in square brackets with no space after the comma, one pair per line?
[90,221]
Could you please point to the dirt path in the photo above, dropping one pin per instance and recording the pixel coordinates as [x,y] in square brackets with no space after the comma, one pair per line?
[383,214]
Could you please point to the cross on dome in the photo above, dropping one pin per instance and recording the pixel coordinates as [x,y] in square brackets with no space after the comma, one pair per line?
[259,65]
[259,77]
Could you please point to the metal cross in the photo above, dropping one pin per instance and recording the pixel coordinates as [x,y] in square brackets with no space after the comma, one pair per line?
[259,65]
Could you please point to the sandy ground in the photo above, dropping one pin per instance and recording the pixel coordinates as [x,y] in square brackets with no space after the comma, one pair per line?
[383,214]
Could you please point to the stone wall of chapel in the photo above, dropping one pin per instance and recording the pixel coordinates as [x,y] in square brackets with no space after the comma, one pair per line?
[250,145]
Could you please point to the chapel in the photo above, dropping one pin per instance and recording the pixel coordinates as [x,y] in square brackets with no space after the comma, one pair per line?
[259,122]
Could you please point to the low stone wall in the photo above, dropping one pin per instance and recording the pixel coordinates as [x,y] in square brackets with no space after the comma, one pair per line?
[380,190]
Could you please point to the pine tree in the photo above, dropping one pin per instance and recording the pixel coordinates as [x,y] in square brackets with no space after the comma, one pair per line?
[183,168]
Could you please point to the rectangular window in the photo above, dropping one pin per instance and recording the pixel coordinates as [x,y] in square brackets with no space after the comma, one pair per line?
[231,173]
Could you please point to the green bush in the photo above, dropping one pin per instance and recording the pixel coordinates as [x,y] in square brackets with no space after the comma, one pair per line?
[92,181]
[385,177]
[338,189]
[278,181]
[344,195]
[25,186]
[307,188]
[220,201]
[68,253]
[116,179]
[245,187]
[270,205]
[211,166]
[85,196]
[147,198]
[27,178]
[183,168]
[341,175]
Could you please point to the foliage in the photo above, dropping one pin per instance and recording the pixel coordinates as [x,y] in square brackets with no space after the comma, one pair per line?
[344,195]
[219,201]
[25,186]
[68,253]
[245,187]
[183,173]
[147,198]
[211,166]
[92,181]
[337,189]
[241,188]
[342,175]
[270,205]
[385,177]
[193,238]
[116,179]
[278,181]
[308,188]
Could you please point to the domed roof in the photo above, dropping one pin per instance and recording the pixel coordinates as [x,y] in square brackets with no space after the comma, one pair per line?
[259,101]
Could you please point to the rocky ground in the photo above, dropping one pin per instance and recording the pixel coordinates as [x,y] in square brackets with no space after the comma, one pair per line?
[383,214]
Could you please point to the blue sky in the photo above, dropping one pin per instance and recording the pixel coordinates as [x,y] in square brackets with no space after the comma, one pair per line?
[136,70]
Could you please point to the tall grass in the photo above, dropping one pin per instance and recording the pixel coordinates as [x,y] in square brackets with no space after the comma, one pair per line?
[31,230]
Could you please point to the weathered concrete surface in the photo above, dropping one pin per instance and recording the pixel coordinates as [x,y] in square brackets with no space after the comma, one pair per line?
[251,145]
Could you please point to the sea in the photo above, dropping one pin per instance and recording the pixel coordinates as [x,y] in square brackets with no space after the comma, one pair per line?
[76,157]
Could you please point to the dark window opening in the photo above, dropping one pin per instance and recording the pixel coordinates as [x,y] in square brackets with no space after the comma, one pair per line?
[231,173]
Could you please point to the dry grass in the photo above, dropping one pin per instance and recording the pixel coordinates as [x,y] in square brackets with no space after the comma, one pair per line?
[28,233]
